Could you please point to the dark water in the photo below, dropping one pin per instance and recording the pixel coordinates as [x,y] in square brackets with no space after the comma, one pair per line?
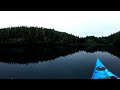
[62,62]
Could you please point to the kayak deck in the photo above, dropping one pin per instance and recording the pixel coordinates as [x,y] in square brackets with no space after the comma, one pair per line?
[101,72]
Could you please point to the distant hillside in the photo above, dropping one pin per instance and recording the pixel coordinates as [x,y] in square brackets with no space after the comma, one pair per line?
[24,34]
[111,39]
[45,36]
[114,38]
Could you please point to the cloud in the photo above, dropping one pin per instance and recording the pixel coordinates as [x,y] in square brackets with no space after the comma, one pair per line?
[80,23]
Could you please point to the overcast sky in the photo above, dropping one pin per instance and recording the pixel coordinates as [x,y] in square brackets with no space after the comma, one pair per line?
[80,23]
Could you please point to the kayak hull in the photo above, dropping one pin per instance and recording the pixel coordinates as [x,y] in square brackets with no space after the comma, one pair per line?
[101,72]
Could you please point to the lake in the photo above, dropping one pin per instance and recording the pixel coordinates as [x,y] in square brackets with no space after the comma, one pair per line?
[61,62]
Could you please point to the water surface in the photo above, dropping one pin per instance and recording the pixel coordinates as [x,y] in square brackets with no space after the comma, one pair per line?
[55,62]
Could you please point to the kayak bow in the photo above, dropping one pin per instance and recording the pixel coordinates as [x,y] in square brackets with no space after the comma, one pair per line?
[101,72]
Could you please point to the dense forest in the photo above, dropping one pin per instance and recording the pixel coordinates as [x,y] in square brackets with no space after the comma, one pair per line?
[35,35]
[30,36]
[113,39]
[40,35]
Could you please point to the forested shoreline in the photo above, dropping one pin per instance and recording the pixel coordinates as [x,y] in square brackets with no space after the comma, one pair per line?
[24,35]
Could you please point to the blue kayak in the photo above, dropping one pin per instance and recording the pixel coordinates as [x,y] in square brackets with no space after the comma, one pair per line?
[101,72]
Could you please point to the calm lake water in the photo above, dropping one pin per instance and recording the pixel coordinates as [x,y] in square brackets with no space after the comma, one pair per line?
[56,62]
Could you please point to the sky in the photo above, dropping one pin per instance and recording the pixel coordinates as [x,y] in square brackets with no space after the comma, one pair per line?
[78,23]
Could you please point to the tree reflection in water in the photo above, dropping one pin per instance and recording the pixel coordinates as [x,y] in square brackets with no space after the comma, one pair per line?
[26,55]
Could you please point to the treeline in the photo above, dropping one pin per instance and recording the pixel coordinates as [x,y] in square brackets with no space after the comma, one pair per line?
[40,35]
[25,34]
[114,38]
[111,39]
